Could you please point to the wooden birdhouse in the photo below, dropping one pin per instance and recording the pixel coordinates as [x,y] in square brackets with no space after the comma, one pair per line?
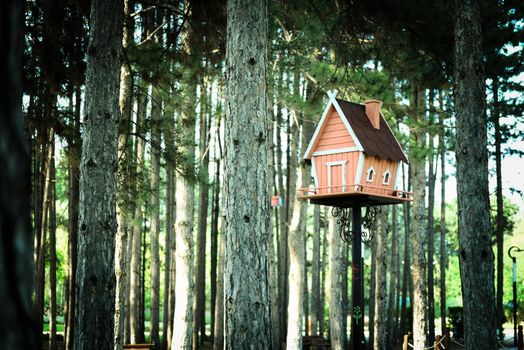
[355,158]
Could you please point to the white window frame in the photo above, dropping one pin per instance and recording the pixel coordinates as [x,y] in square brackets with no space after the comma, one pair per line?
[331,164]
[388,173]
[371,171]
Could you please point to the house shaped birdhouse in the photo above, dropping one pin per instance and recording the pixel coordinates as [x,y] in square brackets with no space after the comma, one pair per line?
[355,158]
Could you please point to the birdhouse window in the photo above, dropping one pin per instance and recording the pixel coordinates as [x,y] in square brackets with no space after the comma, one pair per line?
[370,175]
[386,177]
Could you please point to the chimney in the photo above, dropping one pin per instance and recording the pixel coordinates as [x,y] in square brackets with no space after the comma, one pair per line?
[373,112]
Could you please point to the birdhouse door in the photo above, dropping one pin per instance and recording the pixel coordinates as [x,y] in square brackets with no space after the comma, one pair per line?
[336,176]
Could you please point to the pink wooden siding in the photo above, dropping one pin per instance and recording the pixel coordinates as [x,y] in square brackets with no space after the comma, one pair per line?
[333,134]
[321,168]
[380,166]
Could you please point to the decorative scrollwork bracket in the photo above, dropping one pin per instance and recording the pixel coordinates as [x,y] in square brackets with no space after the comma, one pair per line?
[343,216]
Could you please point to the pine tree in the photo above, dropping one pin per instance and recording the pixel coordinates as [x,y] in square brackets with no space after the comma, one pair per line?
[17,318]
[381,290]
[246,288]
[475,255]
[335,300]
[419,234]
[97,219]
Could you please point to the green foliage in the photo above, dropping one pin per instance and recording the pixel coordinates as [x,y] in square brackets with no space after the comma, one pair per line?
[510,212]
[456,321]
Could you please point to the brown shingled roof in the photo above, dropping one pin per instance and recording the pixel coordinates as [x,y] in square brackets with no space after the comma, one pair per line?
[376,142]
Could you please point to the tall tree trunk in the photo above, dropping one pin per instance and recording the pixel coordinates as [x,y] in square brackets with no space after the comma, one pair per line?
[323,268]
[432,178]
[73,203]
[296,242]
[42,246]
[52,249]
[218,342]
[156,117]
[17,317]
[335,312]
[381,287]
[443,251]
[476,256]
[500,207]
[393,278]
[419,234]
[37,202]
[125,198]
[406,270]
[214,233]
[142,319]
[246,287]
[282,219]
[97,219]
[273,227]
[135,285]
[344,288]
[199,326]
[372,293]
[169,281]
[183,318]
[316,312]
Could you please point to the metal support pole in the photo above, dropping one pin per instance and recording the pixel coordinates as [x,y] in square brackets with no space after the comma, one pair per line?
[515,306]
[514,300]
[357,319]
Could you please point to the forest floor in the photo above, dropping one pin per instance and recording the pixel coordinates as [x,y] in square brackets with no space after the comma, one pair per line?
[508,344]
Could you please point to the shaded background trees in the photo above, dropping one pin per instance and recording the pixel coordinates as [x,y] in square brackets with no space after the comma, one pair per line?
[171,147]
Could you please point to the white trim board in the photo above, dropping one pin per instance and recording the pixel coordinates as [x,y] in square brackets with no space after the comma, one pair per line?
[314,171]
[335,151]
[360,168]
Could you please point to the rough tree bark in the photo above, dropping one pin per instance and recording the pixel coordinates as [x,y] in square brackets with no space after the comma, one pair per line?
[393,277]
[432,178]
[500,206]
[214,232]
[323,267]
[335,312]
[419,232]
[52,249]
[97,219]
[16,272]
[156,117]
[218,341]
[169,281]
[135,305]
[475,253]
[316,312]
[296,242]
[124,198]
[42,241]
[282,219]
[72,207]
[246,287]
[372,293]
[381,287]
[184,254]
[273,272]
[199,329]
[442,251]
[406,272]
